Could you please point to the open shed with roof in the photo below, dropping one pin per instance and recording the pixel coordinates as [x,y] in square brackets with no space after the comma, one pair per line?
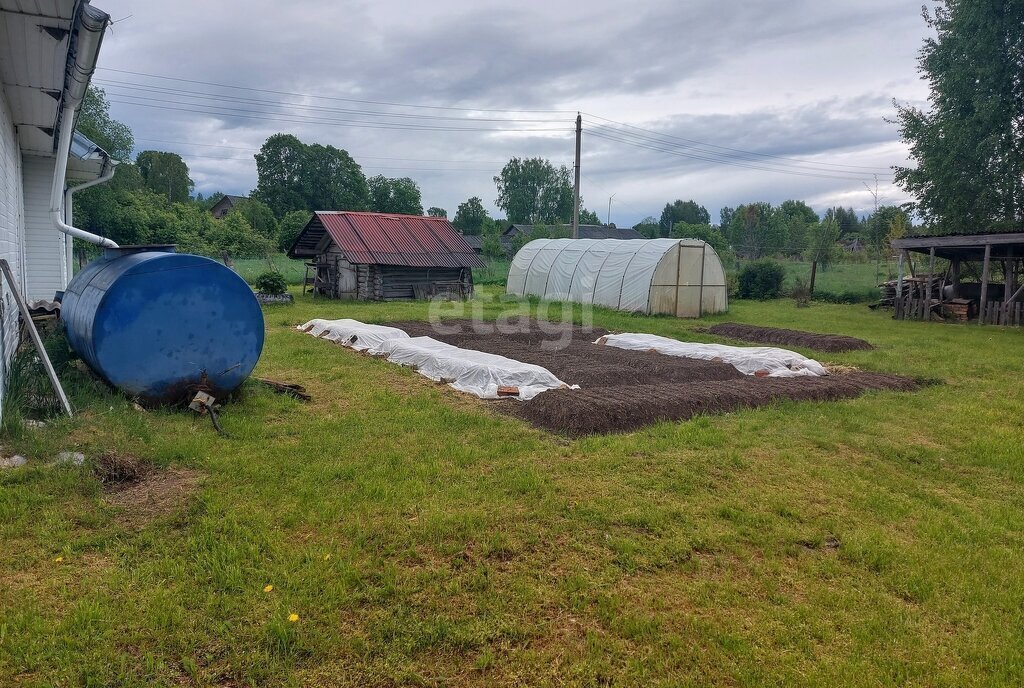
[681,277]
[378,256]
[961,277]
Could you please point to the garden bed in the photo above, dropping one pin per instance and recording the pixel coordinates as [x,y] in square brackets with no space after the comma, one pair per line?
[831,343]
[624,390]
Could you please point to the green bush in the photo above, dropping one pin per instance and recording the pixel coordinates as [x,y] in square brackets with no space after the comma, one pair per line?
[733,284]
[847,296]
[270,282]
[761,279]
[801,293]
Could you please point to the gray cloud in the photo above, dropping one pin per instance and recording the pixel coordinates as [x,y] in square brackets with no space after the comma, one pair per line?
[797,79]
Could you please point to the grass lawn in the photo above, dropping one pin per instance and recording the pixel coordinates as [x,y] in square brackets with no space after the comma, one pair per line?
[422,539]
[495,271]
[854,279]
[250,268]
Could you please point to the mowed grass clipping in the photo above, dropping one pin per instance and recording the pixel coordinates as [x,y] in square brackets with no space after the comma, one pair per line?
[409,535]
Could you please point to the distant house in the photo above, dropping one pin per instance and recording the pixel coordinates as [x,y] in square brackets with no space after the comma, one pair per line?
[585,231]
[476,241]
[383,257]
[852,245]
[47,57]
[225,205]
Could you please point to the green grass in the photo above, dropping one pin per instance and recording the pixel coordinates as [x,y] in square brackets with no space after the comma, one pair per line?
[848,281]
[294,271]
[467,548]
[495,271]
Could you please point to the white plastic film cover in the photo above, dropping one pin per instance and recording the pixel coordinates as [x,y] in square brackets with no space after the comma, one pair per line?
[607,272]
[639,275]
[540,268]
[353,334]
[562,271]
[584,279]
[749,360]
[517,271]
[473,372]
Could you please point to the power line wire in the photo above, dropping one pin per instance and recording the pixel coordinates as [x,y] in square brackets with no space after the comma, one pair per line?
[717,161]
[359,124]
[628,137]
[217,98]
[489,170]
[695,143]
[323,97]
[354,155]
[627,134]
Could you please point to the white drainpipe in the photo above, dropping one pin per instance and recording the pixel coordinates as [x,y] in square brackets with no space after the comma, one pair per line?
[60,175]
[106,176]
[91,24]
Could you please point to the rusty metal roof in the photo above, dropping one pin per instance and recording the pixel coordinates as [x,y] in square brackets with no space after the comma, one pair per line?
[383,239]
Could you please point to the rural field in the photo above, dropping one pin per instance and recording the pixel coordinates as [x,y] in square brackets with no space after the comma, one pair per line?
[852,280]
[394,532]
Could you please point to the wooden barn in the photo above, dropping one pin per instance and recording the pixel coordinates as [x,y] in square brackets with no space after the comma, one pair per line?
[383,257]
[960,277]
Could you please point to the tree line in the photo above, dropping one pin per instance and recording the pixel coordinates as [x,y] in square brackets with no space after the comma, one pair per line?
[791,229]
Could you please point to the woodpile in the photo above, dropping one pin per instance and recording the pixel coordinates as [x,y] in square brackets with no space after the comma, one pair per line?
[911,286]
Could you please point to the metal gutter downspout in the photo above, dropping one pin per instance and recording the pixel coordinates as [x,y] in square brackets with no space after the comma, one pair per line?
[91,24]
[108,173]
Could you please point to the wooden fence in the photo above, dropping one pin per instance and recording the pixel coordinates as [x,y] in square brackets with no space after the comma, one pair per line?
[916,307]
[999,313]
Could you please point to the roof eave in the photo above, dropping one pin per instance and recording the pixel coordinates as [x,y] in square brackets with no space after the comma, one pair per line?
[86,38]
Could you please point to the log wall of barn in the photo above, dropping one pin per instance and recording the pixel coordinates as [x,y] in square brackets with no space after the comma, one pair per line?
[398,282]
[339,279]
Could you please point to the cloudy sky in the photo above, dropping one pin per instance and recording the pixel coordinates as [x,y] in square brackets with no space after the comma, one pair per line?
[721,101]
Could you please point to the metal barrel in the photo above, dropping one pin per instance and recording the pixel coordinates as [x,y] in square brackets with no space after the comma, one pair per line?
[161,325]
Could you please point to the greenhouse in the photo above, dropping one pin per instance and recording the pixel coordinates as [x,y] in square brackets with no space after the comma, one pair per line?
[681,277]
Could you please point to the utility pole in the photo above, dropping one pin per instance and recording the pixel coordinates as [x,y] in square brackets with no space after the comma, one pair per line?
[576,188]
[608,217]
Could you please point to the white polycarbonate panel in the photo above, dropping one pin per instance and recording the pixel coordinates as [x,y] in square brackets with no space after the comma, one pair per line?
[516,283]
[663,300]
[716,300]
[688,302]
[714,273]
[639,275]
[690,258]
[667,272]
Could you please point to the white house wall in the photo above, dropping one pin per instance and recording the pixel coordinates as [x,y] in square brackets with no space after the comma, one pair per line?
[45,248]
[11,234]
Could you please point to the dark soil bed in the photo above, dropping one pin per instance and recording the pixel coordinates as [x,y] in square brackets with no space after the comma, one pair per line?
[831,343]
[630,407]
[626,390]
[571,355]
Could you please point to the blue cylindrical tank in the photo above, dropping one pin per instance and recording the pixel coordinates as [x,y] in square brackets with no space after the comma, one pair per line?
[162,325]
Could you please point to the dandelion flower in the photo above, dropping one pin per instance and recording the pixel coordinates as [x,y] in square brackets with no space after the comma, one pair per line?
[293,617]
[59,559]
[268,588]
[326,557]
